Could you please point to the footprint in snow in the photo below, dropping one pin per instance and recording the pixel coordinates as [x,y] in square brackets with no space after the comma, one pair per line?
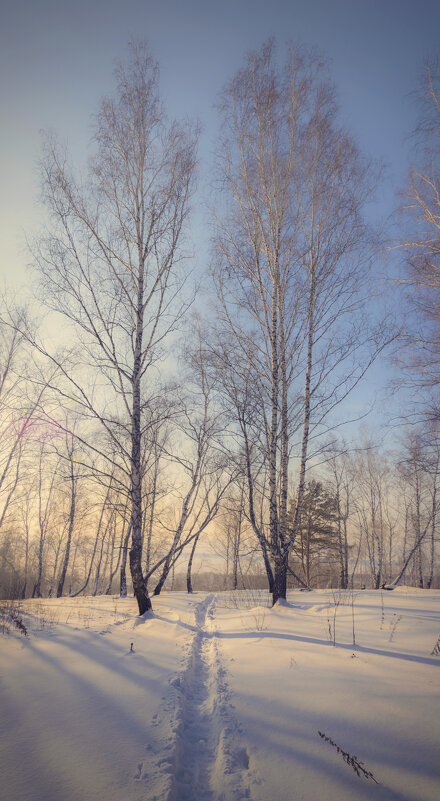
[137,775]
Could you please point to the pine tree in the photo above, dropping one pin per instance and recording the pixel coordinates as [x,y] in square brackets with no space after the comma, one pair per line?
[317,532]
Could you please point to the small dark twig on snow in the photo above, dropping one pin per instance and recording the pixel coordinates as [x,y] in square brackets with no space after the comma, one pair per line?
[350,759]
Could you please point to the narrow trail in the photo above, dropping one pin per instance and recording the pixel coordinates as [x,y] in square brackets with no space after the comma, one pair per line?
[210,763]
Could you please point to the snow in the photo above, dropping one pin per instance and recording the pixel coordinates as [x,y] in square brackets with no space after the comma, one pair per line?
[221,698]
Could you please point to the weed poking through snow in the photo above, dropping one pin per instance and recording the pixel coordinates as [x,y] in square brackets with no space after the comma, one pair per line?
[350,759]
[436,650]
[259,621]
[247,599]
[11,615]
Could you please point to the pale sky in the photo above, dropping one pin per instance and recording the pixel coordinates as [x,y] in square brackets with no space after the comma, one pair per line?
[56,62]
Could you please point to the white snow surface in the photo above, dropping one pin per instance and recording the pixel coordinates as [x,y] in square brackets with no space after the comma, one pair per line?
[222,698]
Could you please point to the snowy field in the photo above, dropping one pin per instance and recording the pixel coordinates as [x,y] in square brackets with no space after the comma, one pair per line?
[217,697]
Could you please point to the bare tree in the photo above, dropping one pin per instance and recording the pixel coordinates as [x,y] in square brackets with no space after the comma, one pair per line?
[433,469]
[343,491]
[200,456]
[18,403]
[421,239]
[419,469]
[71,476]
[98,537]
[109,264]
[292,258]
[233,540]
[372,495]
[46,477]
[22,392]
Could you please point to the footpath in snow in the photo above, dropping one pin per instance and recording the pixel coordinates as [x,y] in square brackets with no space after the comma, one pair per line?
[210,761]
[216,697]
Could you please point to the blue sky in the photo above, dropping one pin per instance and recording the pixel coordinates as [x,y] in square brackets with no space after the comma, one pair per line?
[56,61]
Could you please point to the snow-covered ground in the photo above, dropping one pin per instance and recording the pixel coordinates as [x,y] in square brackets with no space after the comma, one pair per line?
[216,697]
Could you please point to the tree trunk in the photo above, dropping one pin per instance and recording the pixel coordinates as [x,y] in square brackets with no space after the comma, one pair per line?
[420,566]
[308,538]
[236,559]
[55,568]
[139,586]
[279,591]
[273,439]
[36,593]
[410,556]
[307,405]
[164,575]
[98,566]
[190,561]
[113,571]
[123,573]
[43,521]
[257,531]
[70,530]
[433,527]
[151,516]
[137,576]
[26,556]
[236,543]
[267,565]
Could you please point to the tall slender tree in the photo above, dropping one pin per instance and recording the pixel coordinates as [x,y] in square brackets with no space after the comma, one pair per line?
[292,259]
[109,263]
[421,241]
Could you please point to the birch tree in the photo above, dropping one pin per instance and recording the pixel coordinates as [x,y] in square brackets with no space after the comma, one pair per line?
[343,490]
[71,478]
[292,258]
[18,403]
[421,239]
[109,262]
[419,469]
[372,472]
[46,479]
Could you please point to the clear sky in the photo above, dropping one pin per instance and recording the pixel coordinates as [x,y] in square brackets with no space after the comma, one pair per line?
[56,62]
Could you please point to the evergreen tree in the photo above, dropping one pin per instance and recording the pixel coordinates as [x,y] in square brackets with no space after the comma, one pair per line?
[317,532]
